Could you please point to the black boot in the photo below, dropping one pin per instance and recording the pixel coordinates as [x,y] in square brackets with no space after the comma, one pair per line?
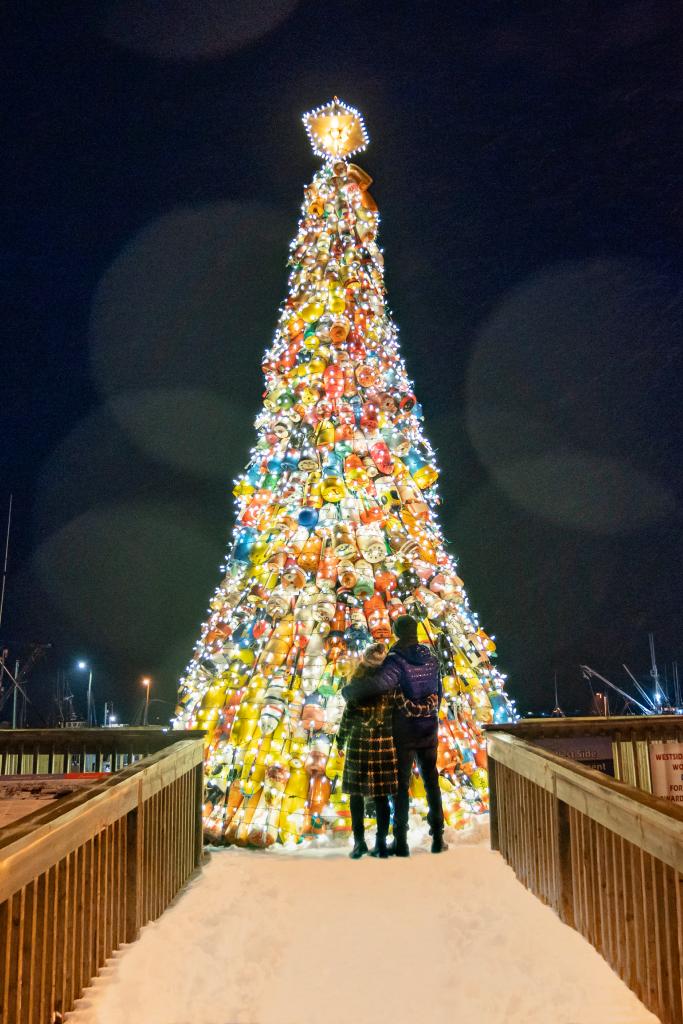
[399,847]
[357,804]
[383,816]
[439,844]
[360,848]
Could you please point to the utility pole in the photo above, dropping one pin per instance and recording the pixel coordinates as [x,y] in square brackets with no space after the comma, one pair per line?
[147,683]
[557,710]
[6,559]
[15,696]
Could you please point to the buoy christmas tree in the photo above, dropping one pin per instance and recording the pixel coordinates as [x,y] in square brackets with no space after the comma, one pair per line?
[336,534]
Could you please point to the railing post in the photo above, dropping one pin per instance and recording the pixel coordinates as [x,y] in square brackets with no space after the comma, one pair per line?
[134,831]
[565,894]
[199,828]
[493,805]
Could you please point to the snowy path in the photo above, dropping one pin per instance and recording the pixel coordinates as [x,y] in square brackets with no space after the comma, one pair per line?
[278,939]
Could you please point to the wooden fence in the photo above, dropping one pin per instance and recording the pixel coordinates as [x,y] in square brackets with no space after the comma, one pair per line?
[627,737]
[59,751]
[81,876]
[606,856]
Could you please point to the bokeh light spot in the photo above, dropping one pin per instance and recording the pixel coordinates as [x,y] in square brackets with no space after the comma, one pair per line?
[119,573]
[560,394]
[94,463]
[182,30]
[189,302]
[588,492]
[189,429]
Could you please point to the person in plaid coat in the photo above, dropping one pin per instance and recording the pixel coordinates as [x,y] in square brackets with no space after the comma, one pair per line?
[370,762]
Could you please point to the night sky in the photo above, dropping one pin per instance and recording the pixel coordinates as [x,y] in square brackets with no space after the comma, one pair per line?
[526,160]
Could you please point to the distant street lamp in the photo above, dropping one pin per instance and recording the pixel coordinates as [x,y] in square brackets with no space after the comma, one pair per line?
[147,683]
[83,665]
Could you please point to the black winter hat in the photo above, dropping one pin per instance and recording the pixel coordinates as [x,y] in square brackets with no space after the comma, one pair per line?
[405,629]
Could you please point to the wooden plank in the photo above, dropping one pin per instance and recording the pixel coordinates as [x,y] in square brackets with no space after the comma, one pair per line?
[144,867]
[528,829]
[96,898]
[616,900]
[628,970]
[197,809]
[678,932]
[591,915]
[188,836]
[512,822]
[146,878]
[634,766]
[168,844]
[157,853]
[70,934]
[640,922]
[523,830]
[16,964]
[153,861]
[39,951]
[102,900]
[52,899]
[493,804]
[116,882]
[109,933]
[87,887]
[62,890]
[133,883]
[650,994]
[600,888]
[79,921]
[669,951]
[124,882]
[173,839]
[501,787]
[518,826]
[574,829]
[542,844]
[658,926]
[545,841]
[565,881]
[25,1003]
[5,956]
[161,854]
[583,871]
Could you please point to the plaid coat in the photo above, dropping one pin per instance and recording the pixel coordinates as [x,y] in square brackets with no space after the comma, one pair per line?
[366,733]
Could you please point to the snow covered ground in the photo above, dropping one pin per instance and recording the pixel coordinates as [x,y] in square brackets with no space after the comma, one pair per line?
[273,938]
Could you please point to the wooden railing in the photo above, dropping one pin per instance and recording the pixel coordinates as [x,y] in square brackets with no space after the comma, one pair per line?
[58,751]
[628,739]
[605,855]
[81,876]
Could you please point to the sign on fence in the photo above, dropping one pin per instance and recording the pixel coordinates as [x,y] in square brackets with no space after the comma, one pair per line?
[666,767]
[593,751]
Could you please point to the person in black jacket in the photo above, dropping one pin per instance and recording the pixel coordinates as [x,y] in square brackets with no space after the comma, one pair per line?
[411,673]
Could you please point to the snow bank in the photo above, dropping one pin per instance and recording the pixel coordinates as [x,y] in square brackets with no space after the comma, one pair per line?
[310,939]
